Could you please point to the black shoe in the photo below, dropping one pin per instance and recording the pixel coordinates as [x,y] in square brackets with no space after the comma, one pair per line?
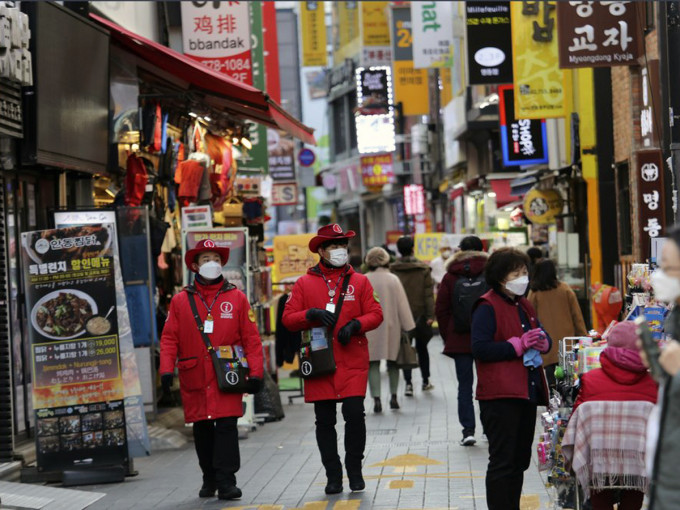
[393,402]
[377,406]
[207,490]
[333,487]
[231,492]
[468,437]
[356,483]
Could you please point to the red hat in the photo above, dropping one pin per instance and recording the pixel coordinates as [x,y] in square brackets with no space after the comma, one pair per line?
[203,246]
[332,232]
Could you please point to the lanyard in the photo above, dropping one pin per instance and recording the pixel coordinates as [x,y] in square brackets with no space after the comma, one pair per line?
[332,292]
[209,317]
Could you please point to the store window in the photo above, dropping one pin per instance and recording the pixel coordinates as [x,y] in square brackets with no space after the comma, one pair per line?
[625,227]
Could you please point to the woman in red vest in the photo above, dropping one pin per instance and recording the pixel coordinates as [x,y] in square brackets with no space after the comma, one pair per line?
[507,340]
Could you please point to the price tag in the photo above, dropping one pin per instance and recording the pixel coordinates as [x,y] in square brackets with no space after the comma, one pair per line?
[208,326]
[330,307]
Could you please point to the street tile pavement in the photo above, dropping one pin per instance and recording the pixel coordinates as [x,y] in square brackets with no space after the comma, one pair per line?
[413,461]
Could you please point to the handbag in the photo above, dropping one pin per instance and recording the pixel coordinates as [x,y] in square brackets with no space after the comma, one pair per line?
[316,347]
[232,212]
[407,358]
[231,366]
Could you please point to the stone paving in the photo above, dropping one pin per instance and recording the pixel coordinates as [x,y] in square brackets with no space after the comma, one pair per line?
[413,461]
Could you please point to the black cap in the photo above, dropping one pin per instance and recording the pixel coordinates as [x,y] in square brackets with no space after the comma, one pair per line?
[471,243]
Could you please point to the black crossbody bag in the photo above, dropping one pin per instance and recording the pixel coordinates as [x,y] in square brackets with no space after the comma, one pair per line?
[231,373]
[319,362]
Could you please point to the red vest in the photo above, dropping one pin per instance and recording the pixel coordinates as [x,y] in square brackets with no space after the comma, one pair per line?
[506,379]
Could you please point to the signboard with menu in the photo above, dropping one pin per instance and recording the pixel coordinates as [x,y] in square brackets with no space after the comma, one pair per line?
[78,391]
[489,42]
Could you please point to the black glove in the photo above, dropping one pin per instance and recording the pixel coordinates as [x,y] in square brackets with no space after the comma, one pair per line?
[166,383]
[323,316]
[254,385]
[348,330]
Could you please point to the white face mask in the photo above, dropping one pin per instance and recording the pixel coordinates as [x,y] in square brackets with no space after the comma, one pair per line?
[338,257]
[518,286]
[210,270]
[446,254]
[666,288]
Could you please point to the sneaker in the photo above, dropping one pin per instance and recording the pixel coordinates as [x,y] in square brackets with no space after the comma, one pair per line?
[409,390]
[468,438]
[428,386]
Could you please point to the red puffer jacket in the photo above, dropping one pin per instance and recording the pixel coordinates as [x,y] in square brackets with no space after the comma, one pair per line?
[310,291]
[615,382]
[234,325]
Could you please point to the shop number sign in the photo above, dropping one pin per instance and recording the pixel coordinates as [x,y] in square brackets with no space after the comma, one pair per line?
[284,193]
[651,202]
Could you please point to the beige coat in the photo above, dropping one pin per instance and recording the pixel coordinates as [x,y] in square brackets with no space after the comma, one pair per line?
[560,315]
[383,343]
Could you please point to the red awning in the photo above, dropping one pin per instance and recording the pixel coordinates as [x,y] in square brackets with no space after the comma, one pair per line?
[503,192]
[237,98]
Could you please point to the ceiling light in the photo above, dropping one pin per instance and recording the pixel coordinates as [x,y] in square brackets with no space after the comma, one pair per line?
[246,143]
[207,119]
[492,194]
[234,141]
[192,114]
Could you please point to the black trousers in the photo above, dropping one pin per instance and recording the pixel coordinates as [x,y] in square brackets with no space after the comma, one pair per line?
[423,361]
[327,437]
[217,449]
[509,426]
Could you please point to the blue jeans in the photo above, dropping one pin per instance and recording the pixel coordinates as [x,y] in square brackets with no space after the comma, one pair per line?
[465,376]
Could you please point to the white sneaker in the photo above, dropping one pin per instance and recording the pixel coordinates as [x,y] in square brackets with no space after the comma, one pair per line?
[409,390]
[427,387]
[468,441]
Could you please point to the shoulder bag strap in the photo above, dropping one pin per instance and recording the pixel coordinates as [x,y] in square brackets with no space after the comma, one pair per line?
[199,323]
[338,308]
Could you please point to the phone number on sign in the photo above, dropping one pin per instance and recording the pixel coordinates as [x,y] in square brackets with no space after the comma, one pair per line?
[227,65]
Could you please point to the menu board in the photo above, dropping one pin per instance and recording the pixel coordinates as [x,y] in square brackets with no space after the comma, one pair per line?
[78,387]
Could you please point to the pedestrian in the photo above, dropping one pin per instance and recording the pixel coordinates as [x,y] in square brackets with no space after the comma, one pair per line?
[228,321]
[416,277]
[622,377]
[312,303]
[535,255]
[557,309]
[438,264]
[663,429]
[384,342]
[506,337]
[462,285]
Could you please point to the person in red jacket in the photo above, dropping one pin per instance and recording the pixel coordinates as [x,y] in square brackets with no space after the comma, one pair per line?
[622,377]
[311,304]
[469,264]
[225,311]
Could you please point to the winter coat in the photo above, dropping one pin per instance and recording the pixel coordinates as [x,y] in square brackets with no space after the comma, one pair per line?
[416,277]
[361,303]
[181,342]
[560,314]
[456,343]
[617,382]
[383,342]
[287,342]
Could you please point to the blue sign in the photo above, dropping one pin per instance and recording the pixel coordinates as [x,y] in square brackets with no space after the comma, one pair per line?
[306,157]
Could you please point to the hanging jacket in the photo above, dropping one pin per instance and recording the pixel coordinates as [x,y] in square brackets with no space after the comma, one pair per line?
[135,181]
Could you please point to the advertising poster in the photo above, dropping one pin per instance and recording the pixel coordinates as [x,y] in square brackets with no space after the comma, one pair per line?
[523,141]
[217,34]
[489,42]
[432,28]
[292,257]
[281,150]
[375,34]
[376,171]
[538,80]
[426,246]
[410,84]
[313,25]
[74,350]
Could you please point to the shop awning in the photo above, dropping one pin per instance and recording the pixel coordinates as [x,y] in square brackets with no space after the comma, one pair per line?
[522,184]
[237,98]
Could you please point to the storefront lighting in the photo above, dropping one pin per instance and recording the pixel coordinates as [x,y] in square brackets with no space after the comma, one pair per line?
[207,119]
[234,141]
[192,114]
[134,147]
[492,194]
[246,143]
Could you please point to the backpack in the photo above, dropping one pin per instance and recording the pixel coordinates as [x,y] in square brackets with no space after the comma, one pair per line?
[466,291]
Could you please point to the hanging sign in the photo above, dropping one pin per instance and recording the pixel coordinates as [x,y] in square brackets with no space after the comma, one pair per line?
[78,387]
[375,34]
[306,157]
[432,28]
[538,80]
[541,206]
[414,199]
[376,171]
[346,40]
[489,42]
[313,24]
[284,193]
[281,148]
[374,115]
[651,205]
[598,34]
[650,104]
[523,141]
[217,34]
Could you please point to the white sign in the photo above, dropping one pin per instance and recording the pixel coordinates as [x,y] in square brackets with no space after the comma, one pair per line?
[414,199]
[432,31]
[375,133]
[284,193]
[199,216]
[217,34]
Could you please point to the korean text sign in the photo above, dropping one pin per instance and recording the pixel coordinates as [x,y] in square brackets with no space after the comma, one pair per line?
[313,21]
[78,387]
[598,34]
[378,170]
[432,28]
[652,210]
[523,141]
[217,34]
[489,42]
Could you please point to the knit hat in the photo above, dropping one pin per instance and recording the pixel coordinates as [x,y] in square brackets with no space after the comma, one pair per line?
[377,257]
[623,335]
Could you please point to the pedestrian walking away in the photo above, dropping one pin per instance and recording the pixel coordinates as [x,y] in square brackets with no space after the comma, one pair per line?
[462,285]
[228,321]
[416,277]
[507,340]
[438,264]
[384,342]
[312,304]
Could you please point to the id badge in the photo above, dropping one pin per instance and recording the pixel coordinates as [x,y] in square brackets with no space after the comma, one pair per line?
[330,307]
[208,327]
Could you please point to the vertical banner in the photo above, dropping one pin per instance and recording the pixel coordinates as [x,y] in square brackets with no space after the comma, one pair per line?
[346,41]
[375,34]
[523,141]
[271,51]
[217,34]
[489,42]
[432,34]
[410,84]
[538,80]
[281,150]
[313,26]
[651,205]
[75,357]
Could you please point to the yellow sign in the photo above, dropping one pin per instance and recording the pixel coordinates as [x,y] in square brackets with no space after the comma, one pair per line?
[292,257]
[427,245]
[410,88]
[313,34]
[541,206]
[446,85]
[539,82]
[375,30]
[346,40]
